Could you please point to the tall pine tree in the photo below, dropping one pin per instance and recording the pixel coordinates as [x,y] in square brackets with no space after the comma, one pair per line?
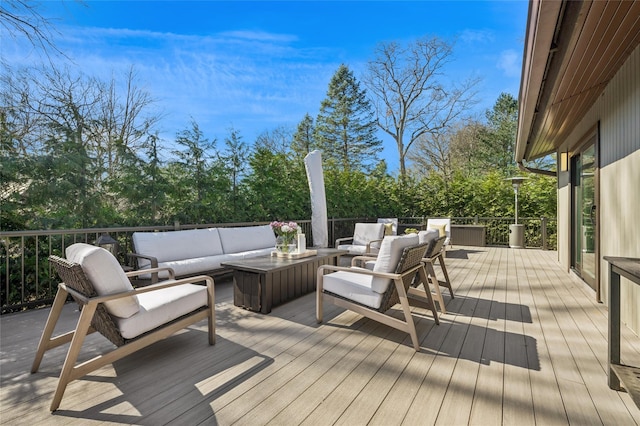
[346,126]
[303,141]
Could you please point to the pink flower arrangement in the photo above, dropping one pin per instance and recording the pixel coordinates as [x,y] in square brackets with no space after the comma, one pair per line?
[287,230]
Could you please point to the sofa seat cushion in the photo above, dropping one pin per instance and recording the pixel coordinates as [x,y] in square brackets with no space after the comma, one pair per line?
[161,306]
[353,286]
[193,266]
[207,264]
[249,254]
[177,245]
[358,249]
[106,276]
[238,240]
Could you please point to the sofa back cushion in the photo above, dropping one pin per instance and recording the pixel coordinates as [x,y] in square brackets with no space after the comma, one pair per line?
[367,232]
[237,240]
[106,275]
[177,245]
[389,256]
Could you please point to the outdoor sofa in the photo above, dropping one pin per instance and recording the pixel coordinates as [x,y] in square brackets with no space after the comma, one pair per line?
[199,251]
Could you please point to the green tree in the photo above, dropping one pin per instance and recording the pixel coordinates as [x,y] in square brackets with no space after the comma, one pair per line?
[497,144]
[276,187]
[345,128]
[303,141]
[190,176]
[234,159]
[139,186]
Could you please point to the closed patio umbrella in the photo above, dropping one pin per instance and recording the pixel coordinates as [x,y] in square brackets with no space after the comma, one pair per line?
[313,165]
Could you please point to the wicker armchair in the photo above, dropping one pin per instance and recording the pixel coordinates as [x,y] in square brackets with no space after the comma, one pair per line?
[373,293]
[134,327]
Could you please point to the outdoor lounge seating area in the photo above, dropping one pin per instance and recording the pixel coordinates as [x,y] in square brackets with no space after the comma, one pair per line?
[522,343]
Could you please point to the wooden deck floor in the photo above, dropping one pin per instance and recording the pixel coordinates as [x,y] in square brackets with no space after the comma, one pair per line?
[522,343]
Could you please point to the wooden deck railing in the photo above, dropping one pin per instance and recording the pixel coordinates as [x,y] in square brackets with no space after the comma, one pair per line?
[28,281]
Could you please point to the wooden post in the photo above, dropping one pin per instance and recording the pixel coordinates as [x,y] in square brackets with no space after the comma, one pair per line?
[543,229]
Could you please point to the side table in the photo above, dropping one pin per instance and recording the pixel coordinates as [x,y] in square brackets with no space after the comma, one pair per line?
[628,375]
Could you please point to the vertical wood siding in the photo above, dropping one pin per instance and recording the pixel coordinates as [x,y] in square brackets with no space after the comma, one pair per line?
[618,111]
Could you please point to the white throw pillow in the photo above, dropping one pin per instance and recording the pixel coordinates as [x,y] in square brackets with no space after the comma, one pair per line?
[389,256]
[106,275]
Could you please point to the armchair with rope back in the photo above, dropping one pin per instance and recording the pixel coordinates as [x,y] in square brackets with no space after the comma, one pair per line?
[373,293]
[130,318]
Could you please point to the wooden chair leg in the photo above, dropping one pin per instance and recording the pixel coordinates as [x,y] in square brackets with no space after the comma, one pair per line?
[431,272]
[83,326]
[212,312]
[446,274]
[404,302]
[319,295]
[45,340]
[418,297]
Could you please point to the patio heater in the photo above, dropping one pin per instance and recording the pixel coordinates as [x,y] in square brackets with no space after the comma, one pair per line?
[107,242]
[516,231]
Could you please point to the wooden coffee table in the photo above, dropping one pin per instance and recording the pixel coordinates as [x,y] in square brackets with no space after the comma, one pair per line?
[260,283]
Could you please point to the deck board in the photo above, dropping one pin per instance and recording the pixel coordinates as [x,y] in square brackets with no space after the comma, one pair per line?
[522,343]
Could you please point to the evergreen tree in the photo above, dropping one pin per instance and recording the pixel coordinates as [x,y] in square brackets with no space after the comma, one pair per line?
[303,142]
[234,159]
[190,175]
[497,144]
[346,125]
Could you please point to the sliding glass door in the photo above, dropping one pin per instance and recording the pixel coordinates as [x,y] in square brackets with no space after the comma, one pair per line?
[584,214]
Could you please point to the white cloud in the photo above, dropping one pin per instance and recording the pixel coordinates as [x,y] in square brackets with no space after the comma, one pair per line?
[248,79]
[510,63]
[260,35]
[477,36]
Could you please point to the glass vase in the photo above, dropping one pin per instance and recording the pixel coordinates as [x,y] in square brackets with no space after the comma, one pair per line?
[285,245]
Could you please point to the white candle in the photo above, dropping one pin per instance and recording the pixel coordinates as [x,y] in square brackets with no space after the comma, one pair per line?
[302,243]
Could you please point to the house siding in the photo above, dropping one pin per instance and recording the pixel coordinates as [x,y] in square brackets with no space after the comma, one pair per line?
[617,112]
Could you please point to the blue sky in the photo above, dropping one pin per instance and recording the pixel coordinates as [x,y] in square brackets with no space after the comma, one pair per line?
[255,66]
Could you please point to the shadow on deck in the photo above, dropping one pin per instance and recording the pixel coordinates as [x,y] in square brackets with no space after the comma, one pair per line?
[521,343]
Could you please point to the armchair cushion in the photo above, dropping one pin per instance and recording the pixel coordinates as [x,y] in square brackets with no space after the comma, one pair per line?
[436,223]
[389,256]
[356,249]
[439,227]
[366,232]
[162,306]
[428,235]
[390,225]
[107,277]
[353,286]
